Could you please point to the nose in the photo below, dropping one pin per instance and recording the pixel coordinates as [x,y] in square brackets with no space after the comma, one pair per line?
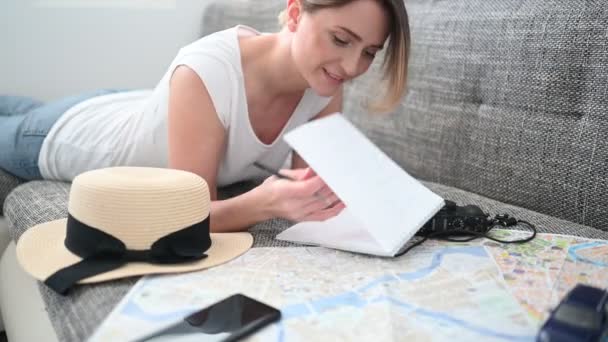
[350,64]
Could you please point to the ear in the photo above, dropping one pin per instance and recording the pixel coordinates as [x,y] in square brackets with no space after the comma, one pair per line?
[293,14]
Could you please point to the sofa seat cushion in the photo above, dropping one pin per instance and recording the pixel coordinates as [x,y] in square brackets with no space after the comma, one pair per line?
[76,316]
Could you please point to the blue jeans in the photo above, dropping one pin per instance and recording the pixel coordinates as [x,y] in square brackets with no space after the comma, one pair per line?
[24,123]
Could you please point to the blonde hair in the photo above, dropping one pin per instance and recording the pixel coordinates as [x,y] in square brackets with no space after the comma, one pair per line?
[397,56]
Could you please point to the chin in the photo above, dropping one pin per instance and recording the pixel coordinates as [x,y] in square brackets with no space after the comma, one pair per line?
[324,89]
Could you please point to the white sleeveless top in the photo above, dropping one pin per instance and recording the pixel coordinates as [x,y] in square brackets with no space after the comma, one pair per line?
[130,129]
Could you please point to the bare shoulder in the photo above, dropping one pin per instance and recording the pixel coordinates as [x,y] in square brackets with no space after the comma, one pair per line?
[196,135]
[182,74]
[189,100]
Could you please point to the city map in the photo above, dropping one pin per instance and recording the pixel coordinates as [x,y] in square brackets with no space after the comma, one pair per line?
[440,291]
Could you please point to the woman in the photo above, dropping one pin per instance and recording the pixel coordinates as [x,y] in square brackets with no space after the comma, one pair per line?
[224,103]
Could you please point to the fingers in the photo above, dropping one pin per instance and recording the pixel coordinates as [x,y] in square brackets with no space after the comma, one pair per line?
[321,208]
[308,187]
[306,198]
[332,200]
[322,202]
[309,173]
[324,192]
[298,174]
[312,191]
[306,190]
[306,182]
[324,214]
[293,174]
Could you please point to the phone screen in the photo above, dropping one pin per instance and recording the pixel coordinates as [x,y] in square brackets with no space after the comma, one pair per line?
[228,320]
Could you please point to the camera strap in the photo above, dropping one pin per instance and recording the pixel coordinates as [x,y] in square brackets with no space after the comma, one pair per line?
[466,235]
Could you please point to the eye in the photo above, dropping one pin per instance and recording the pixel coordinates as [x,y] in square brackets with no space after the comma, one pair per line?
[370,54]
[338,41]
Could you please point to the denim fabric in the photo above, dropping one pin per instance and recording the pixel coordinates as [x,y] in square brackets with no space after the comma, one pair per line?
[16,105]
[24,123]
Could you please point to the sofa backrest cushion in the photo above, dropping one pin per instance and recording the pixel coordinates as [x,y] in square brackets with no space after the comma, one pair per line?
[507,99]
[261,15]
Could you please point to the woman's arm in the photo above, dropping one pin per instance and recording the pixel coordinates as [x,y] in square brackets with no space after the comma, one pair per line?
[197,143]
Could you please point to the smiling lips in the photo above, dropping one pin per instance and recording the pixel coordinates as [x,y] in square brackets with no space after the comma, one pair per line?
[333,77]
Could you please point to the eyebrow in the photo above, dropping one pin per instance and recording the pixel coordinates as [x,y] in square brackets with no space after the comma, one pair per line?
[358,38]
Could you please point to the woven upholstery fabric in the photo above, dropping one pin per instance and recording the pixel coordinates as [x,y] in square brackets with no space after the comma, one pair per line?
[7,183]
[508,99]
[75,317]
[261,15]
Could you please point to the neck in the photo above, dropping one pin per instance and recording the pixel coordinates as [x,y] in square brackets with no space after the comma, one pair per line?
[269,67]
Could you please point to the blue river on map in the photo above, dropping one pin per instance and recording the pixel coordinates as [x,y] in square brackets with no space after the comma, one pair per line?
[573,253]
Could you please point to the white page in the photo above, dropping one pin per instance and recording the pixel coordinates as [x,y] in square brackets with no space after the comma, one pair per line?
[343,232]
[390,204]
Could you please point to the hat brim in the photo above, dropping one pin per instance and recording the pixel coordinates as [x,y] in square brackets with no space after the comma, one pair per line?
[41,252]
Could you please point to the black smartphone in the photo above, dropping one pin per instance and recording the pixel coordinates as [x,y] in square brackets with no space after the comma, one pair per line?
[230,319]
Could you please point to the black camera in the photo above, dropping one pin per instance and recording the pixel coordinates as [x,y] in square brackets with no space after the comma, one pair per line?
[452,218]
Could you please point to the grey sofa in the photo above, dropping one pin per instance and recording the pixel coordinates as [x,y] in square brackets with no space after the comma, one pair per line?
[507,109]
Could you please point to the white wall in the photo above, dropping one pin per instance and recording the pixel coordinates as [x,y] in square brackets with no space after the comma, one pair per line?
[48,52]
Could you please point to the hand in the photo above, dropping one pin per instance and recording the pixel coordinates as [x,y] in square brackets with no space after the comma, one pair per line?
[304,198]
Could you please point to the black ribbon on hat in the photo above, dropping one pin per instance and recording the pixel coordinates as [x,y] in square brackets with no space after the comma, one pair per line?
[102,252]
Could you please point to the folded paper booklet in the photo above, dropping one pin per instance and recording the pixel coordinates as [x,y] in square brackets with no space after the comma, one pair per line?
[385,206]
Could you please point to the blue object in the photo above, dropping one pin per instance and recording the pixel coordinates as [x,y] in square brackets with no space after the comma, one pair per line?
[582,315]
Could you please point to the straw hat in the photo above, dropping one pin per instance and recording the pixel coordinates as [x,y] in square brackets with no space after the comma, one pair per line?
[128,221]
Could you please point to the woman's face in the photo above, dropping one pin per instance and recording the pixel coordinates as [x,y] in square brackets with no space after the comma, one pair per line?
[334,45]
